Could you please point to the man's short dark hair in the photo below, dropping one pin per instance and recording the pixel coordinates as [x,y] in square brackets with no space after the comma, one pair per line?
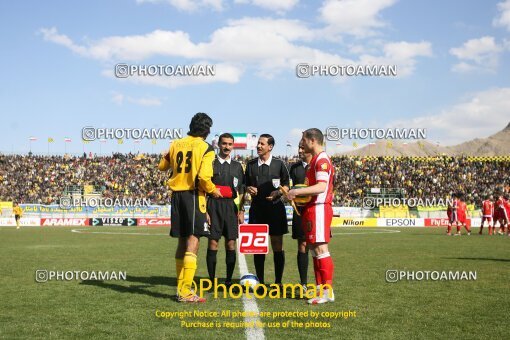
[225,135]
[314,133]
[200,125]
[270,139]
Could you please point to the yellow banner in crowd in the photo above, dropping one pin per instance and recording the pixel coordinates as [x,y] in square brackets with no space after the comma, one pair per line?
[5,205]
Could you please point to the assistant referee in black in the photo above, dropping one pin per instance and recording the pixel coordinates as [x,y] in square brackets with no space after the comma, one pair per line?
[263,176]
[223,213]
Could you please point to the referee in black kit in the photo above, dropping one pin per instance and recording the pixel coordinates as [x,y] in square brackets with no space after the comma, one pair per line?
[223,213]
[263,176]
[298,175]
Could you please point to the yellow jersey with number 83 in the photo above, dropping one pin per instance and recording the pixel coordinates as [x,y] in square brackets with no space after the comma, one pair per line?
[191,160]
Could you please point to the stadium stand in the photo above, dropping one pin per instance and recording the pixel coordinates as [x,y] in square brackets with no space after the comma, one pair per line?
[44,179]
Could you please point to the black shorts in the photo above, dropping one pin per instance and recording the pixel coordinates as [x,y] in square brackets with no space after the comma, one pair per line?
[223,214]
[188,214]
[17,217]
[272,214]
[297,226]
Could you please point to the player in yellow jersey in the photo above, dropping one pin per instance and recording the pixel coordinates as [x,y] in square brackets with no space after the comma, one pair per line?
[191,161]
[18,212]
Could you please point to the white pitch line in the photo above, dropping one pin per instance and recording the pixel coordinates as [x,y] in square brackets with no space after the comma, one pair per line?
[85,231]
[250,305]
[378,231]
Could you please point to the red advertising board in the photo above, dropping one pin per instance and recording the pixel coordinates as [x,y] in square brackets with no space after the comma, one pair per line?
[441,222]
[153,222]
[253,238]
[64,222]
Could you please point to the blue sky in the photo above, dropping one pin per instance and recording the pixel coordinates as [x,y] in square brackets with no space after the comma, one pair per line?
[58,59]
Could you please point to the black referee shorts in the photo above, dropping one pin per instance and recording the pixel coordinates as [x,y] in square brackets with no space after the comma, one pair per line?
[223,214]
[17,217]
[272,214]
[188,214]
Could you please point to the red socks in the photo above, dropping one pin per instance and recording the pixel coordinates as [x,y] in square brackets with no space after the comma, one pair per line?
[326,268]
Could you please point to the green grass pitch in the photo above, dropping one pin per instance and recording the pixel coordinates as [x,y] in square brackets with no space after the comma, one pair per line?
[126,309]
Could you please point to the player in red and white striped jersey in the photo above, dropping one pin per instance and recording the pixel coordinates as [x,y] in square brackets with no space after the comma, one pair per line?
[506,205]
[487,212]
[318,213]
[500,215]
[462,213]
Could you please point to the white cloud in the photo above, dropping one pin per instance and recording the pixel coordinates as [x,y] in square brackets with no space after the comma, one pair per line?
[279,6]
[354,17]
[477,55]
[224,73]
[290,29]
[402,53]
[188,5]
[264,46]
[119,99]
[246,38]
[145,101]
[479,115]
[128,48]
[140,47]
[51,34]
[506,44]
[503,20]
[296,133]
[267,45]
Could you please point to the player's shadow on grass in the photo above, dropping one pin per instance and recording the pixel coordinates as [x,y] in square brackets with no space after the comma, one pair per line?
[158,280]
[153,280]
[146,282]
[126,289]
[478,259]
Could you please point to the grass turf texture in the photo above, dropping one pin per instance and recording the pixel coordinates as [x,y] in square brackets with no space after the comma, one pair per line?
[126,309]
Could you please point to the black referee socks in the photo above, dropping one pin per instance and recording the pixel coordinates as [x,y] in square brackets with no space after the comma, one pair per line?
[279,264]
[211,263]
[259,260]
[230,261]
[302,262]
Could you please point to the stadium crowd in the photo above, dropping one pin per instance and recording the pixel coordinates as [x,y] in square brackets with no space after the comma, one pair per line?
[421,177]
[43,179]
